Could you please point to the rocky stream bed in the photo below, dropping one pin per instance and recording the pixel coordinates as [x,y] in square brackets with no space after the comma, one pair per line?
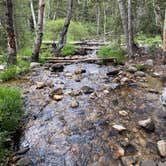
[87,114]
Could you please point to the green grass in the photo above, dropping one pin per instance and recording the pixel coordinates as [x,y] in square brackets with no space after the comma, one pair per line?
[8,74]
[149,40]
[112,51]
[13,71]
[10,116]
[68,50]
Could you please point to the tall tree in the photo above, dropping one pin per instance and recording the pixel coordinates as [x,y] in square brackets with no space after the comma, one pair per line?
[39,33]
[126,17]
[164,39]
[63,33]
[8,8]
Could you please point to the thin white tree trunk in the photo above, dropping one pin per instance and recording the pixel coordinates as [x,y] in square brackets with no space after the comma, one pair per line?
[39,33]
[124,19]
[164,39]
[130,31]
[105,21]
[33,14]
[98,18]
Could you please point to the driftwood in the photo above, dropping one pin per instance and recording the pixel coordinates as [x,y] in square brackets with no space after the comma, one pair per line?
[77,60]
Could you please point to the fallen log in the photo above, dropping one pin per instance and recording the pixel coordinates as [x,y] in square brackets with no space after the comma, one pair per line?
[90,60]
[88,43]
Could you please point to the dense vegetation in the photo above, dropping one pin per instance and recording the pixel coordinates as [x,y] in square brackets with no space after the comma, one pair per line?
[10,115]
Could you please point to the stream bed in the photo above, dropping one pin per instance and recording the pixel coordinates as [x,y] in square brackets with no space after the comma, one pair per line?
[83,127]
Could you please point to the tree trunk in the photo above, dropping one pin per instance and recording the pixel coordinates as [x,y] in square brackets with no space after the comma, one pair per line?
[33,13]
[39,33]
[63,33]
[98,18]
[164,39]
[130,30]
[8,8]
[105,19]
[124,19]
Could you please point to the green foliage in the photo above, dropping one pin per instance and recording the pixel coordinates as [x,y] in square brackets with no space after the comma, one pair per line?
[13,71]
[10,115]
[150,41]
[77,30]
[25,51]
[112,51]
[8,73]
[68,50]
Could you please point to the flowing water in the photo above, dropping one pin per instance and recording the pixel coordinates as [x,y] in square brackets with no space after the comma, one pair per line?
[59,135]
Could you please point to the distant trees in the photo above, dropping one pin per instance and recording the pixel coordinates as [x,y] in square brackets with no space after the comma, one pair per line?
[11,41]
[39,32]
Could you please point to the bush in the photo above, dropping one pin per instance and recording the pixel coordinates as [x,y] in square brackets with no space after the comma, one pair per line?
[77,30]
[13,71]
[113,51]
[8,73]
[10,115]
[68,50]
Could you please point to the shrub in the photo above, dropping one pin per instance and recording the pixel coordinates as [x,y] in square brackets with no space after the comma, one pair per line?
[13,71]
[77,30]
[10,115]
[68,50]
[113,51]
[8,73]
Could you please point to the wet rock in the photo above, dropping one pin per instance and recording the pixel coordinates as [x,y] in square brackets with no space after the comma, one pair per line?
[57,68]
[161,145]
[147,124]
[40,85]
[119,127]
[117,151]
[87,90]
[57,97]
[149,62]
[106,91]
[123,113]
[130,149]
[132,69]
[80,71]
[124,80]
[163,98]
[93,95]
[114,86]
[57,91]
[148,163]
[24,162]
[161,163]
[34,65]
[74,104]
[113,72]
[130,161]
[69,75]
[140,74]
